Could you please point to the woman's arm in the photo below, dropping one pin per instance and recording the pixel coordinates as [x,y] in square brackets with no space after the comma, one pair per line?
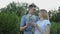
[48,29]
[44,32]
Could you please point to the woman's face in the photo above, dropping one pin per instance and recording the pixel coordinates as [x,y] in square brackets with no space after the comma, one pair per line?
[40,15]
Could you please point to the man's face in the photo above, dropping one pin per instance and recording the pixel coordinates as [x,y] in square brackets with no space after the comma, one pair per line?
[32,10]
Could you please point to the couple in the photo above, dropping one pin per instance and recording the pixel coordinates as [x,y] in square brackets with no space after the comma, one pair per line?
[41,23]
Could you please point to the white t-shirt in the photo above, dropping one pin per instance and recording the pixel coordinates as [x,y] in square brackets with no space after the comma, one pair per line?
[42,25]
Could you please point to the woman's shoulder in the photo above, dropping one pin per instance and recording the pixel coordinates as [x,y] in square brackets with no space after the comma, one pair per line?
[47,21]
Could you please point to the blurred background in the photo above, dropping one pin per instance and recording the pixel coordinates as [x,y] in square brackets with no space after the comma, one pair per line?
[11,12]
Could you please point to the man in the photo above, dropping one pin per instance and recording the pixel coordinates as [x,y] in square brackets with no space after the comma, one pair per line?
[27,27]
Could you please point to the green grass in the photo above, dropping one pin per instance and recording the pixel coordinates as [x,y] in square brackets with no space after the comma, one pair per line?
[55,28]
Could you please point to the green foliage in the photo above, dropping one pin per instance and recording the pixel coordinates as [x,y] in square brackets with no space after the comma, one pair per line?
[18,8]
[9,17]
[55,15]
[36,13]
[55,28]
[9,23]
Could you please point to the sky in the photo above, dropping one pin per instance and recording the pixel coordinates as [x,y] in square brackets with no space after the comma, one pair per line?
[42,4]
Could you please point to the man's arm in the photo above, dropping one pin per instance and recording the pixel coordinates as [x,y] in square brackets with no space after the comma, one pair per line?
[22,27]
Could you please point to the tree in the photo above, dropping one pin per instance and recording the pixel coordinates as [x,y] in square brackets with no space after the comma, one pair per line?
[18,8]
[55,15]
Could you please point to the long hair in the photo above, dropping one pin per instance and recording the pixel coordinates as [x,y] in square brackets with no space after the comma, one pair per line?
[44,13]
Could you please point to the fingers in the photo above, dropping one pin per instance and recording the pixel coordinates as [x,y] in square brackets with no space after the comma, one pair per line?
[34,25]
[28,24]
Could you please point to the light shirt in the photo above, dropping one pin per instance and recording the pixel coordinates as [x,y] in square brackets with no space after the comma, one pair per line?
[42,25]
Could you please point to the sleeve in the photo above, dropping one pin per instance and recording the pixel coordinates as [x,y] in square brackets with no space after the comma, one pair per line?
[47,22]
[22,21]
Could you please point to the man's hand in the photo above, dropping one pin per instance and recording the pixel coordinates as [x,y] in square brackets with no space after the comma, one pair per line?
[28,24]
[22,28]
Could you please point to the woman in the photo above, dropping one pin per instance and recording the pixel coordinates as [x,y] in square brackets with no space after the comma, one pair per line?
[43,24]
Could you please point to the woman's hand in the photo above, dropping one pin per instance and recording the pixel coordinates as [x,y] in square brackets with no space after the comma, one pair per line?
[34,24]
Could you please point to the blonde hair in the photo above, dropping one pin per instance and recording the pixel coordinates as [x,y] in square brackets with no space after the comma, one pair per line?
[44,13]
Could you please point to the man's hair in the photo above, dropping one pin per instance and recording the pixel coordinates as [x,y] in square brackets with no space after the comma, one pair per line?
[32,5]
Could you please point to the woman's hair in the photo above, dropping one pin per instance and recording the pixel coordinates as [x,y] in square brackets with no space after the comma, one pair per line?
[44,13]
